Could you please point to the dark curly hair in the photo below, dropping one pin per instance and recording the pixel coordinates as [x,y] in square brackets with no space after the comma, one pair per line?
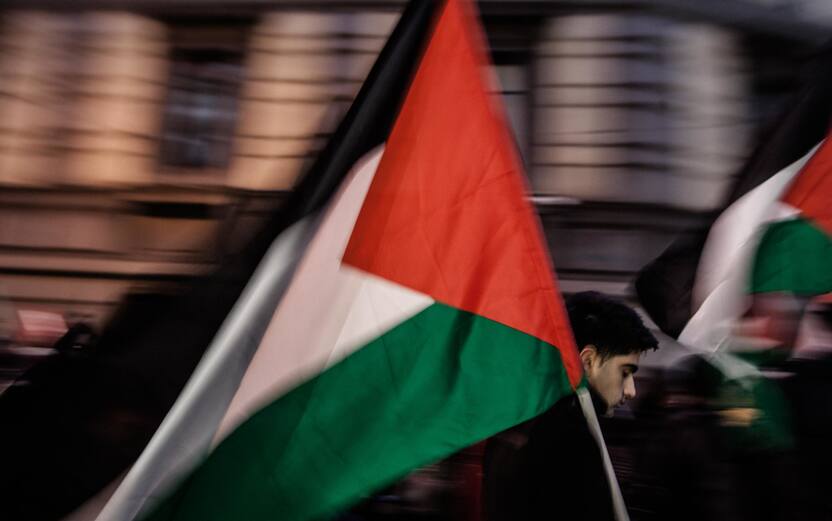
[607,323]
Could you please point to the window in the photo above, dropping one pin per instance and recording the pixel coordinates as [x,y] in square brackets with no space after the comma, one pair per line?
[201,107]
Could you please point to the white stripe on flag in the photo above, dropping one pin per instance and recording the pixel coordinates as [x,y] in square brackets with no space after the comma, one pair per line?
[378,307]
[329,310]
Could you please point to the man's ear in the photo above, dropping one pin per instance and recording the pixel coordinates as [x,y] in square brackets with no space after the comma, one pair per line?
[588,355]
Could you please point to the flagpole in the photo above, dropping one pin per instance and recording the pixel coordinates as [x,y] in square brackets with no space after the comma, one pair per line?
[619,508]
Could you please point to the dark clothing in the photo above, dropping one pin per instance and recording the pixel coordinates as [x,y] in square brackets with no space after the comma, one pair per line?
[547,468]
[809,393]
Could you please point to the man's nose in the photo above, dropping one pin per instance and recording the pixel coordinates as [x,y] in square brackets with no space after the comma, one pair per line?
[629,388]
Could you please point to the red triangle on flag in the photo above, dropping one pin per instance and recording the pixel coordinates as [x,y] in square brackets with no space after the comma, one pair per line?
[811,192]
[447,213]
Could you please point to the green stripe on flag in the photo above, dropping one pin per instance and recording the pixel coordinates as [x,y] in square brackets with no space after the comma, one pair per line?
[434,384]
[796,256]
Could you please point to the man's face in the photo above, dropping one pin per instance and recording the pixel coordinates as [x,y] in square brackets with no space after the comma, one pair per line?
[612,377]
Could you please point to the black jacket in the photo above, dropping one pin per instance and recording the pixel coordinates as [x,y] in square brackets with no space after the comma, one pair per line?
[547,468]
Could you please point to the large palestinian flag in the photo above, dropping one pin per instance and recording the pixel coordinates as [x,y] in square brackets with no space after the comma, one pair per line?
[422,316]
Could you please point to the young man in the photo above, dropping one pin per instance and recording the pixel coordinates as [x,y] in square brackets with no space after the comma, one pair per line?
[551,467]
[610,338]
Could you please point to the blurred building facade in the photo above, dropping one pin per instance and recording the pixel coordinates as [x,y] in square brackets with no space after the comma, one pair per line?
[142,141]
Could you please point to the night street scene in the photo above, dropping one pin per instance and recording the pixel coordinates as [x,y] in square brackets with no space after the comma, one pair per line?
[426,260]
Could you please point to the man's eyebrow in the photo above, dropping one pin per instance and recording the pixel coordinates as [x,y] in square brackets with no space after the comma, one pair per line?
[632,367]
